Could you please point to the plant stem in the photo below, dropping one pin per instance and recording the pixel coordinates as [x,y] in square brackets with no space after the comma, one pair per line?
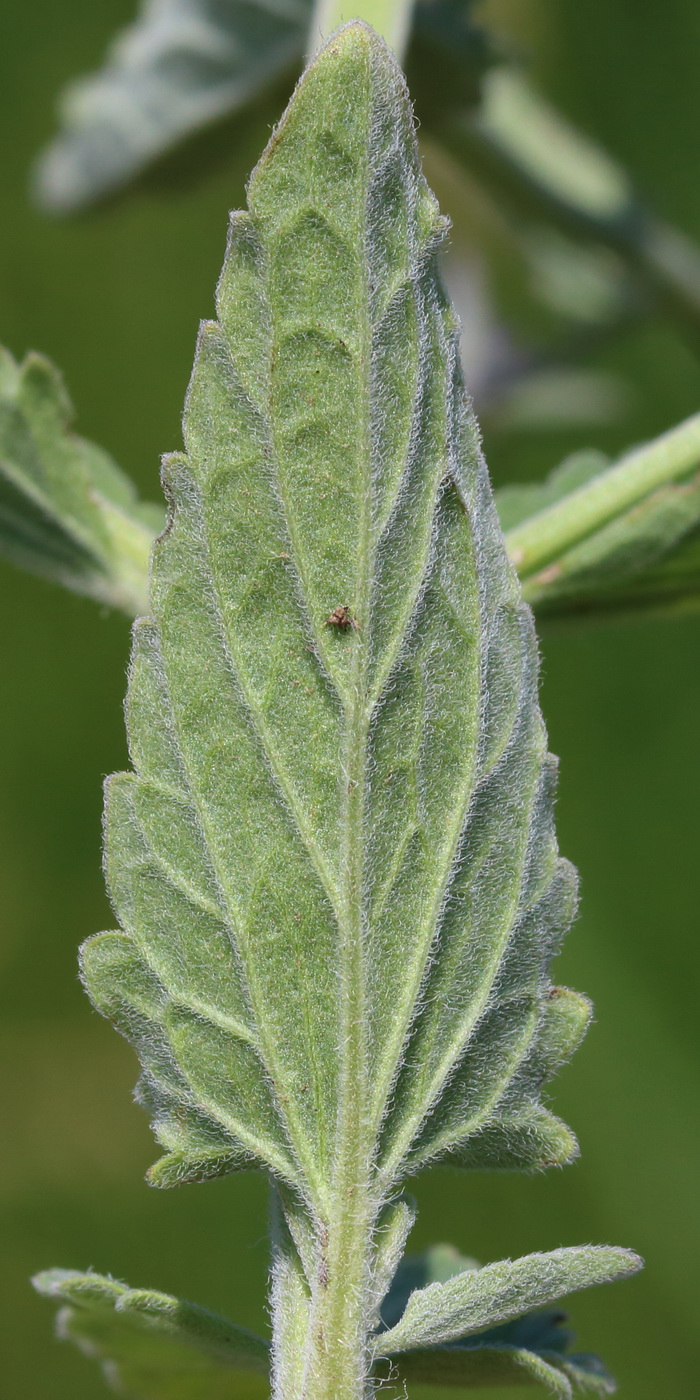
[532,160]
[390,18]
[545,536]
[131,543]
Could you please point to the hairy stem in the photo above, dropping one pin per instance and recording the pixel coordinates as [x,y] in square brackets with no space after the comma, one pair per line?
[545,536]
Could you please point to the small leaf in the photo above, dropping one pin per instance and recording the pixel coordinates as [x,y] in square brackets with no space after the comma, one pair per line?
[478,1299]
[393,1230]
[479,1367]
[645,562]
[532,1349]
[66,510]
[179,66]
[155,1347]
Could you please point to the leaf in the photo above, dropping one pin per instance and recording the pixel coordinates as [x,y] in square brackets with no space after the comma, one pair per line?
[66,510]
[337,833]
[334,865]
[180,65]
[478,1299]
[531,1349]
[486,1366]
[153,1346]
[477,1368]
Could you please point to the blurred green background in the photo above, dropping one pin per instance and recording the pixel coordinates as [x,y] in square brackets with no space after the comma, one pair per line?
[114,298]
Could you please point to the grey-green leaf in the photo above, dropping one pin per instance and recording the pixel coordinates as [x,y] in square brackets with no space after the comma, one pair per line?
[67,512]
[478,1368]
[334,865]
[533,1349]
[483,1367]
[478,1299]
[155,1347]
[178,66]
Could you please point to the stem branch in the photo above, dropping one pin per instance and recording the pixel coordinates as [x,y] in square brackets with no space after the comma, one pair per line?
[545,536]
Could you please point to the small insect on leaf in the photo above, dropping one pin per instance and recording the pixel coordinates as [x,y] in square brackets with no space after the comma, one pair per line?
[343,619]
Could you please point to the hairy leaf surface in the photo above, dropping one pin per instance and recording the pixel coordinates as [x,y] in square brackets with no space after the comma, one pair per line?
[154,1346]
[530,1350]
[67,512]
[334,864]
[477,1299]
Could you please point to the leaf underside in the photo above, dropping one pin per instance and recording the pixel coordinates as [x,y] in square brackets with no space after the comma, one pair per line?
[341,809]
[533,1349]
[456,1309]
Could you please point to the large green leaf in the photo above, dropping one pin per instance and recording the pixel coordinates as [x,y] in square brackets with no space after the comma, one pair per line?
[154,1346]
[66,510]
[339,830]
[334,865]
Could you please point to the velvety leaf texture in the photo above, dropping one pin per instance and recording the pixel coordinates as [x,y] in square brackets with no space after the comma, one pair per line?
[477,1299]
[334,863]
[154,1346]
[532,1349]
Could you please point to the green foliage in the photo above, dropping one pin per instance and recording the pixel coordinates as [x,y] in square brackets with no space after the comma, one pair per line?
[334,864]
[155,1346]
[158,1348]
[66,510]
[178,66]
[371,800]
[531,1350]
[475,1299]
[599,539]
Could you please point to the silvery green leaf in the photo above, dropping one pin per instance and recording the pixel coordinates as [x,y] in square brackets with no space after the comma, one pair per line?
[178,66]
[467,1368]
[67,512]
[334,862]
[477,1299]
[155,1347]
[531,1349]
